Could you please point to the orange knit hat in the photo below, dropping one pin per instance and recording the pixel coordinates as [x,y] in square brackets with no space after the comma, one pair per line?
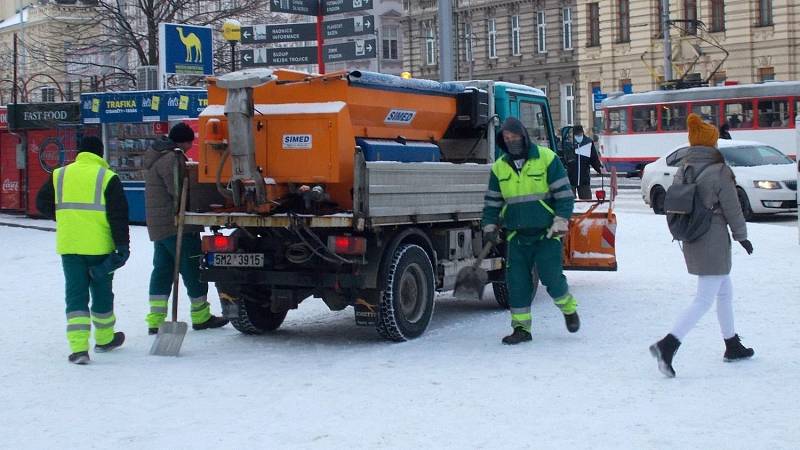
[701,133]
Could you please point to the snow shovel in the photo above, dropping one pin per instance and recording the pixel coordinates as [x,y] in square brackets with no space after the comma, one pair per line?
[171,334]
[471,280]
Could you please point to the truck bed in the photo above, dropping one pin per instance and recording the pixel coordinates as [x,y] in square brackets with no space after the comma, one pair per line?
[387,193]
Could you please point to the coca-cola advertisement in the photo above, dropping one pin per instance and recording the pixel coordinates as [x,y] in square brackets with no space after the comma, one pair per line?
[10,176]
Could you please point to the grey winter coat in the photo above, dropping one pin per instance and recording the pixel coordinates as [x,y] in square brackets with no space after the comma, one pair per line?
[166,165]
[711,254]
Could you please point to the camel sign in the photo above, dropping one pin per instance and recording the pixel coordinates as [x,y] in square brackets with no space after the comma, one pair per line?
[185,49]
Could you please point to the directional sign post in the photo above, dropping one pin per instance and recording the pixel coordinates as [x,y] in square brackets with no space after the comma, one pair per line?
[265,57]
[351,26]
[302,7]
[286,32]
[331,7]
[349,51]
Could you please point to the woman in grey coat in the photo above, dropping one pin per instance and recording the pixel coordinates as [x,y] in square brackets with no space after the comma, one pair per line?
[709,257]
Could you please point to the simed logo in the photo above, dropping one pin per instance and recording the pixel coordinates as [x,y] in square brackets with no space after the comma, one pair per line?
[297,141]
[400,116]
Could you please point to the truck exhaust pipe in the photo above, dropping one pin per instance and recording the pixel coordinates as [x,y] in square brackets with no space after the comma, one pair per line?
[239,110]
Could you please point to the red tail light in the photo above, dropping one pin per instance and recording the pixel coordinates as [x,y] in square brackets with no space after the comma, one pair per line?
[600,194]
[219,244]
[347,245]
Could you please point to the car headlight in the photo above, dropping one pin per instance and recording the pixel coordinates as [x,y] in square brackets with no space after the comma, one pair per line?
[764,184]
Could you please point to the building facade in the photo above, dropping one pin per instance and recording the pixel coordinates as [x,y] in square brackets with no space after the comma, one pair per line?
[532,42]
[572,47]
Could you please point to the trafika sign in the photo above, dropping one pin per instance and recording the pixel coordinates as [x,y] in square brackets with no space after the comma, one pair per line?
[296,141]
[400,116]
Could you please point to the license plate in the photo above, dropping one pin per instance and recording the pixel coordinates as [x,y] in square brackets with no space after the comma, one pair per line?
[237,260]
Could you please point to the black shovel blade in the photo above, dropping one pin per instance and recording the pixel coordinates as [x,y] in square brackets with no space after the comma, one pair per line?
[469,283]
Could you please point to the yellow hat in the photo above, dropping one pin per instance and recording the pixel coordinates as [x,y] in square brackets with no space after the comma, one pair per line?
[701,133]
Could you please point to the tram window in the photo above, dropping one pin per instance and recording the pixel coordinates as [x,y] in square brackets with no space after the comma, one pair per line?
[709,113]
[773,113]
[739,114]
[644,119]
[673,117]
[618,121]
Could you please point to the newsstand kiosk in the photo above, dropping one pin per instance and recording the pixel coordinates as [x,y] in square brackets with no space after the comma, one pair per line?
[50,134]
[131,121]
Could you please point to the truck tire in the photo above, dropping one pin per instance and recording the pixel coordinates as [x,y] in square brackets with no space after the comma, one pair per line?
[501,290]
[406,305]
[254,317]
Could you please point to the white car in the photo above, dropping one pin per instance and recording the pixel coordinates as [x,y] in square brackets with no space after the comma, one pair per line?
[765,177]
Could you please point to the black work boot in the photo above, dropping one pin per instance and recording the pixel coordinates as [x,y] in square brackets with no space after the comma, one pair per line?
[212,322]
[734,350]
[152,331]
[664,350]
[519,335]
[573,322]
[119,338]
[80,358]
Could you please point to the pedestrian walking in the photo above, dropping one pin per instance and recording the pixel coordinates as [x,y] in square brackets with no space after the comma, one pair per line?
[582,156]
[709,257]
[530,191]
[91,212]
[165,164]
[724,131]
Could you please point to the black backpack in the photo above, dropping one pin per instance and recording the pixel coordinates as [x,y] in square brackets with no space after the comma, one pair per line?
[688,219]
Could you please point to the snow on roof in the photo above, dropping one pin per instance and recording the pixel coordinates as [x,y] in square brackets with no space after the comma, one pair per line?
[519,87]
[15,19]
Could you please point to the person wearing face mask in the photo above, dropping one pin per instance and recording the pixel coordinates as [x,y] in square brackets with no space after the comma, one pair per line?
[529,196]
[578,166]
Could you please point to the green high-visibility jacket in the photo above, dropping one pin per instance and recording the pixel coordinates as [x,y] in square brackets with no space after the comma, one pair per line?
[528,198]
[82,227]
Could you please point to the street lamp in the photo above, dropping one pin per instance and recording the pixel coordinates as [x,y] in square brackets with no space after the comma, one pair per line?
[232,32]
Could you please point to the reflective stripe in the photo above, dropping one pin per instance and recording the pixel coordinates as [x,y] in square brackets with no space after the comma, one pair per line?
[104,325]
[158,297]
[80,206]
[74,314]
[60,197]
[493,204]
[527,198]
[508,239]
[563,194]
[520,311]
[198,300]
[101,316]
[78,327]
[494,194]
[559,183]
[98,186]
[199,307]
[158,309]
[547,207]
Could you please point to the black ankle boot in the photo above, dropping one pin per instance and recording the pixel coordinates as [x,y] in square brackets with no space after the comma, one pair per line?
[734,350]
[519,335]
[664,350]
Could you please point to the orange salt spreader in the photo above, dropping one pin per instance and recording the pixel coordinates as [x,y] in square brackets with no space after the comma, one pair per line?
[269,134]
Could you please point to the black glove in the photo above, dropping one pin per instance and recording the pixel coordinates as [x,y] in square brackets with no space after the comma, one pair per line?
[114,261]
[748,247]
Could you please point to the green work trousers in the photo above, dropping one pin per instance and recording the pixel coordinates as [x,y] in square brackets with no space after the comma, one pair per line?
[524,253]
[80,316]
[163,271]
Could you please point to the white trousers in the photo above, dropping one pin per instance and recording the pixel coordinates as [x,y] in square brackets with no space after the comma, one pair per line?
[708,288]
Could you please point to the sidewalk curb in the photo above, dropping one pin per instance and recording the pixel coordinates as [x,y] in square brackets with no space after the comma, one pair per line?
[32,227]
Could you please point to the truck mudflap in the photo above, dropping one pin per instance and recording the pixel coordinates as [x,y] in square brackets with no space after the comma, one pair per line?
[231,276]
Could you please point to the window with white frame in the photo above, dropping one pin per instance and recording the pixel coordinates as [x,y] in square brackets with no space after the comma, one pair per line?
[389,41]
[541,32]
[468,53]
[515,45]
[566,15]
[491,31]
[430,45]
[567,104]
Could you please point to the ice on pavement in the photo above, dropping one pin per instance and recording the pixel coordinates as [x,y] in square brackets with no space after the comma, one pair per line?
[322,382]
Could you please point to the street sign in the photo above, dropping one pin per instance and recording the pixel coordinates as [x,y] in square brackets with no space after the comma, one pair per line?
[185,49]
[351,26]
[349,51]
[330,7]
[285,32]
[303,7]
[290,56]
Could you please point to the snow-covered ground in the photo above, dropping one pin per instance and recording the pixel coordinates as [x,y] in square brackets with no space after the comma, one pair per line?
[322,382]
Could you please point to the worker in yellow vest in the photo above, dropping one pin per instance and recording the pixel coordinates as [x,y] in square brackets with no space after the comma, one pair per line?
[529,195]
[88,202]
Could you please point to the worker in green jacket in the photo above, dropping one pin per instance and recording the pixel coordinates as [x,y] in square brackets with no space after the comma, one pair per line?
[530,196]
[91,212]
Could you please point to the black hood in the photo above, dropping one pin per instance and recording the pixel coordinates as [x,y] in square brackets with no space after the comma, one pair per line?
[515,126]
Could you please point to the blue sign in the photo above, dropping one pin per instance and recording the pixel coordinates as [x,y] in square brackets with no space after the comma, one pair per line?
[186,49]
[598,98]
[142,106]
